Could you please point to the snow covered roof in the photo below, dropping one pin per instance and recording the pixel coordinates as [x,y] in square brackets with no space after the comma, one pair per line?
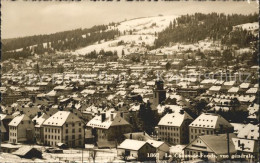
[18,119]
[244,85]
[215,88]
[210,120]
[52,93]
[174,119]
[252,90]
[39,120]
[233,90]
[249,145]
[155,143]
[229,83]
[253,109]
[60,118]
[132,144]
[97,122]
[250,131]
[237,127]
[208,81]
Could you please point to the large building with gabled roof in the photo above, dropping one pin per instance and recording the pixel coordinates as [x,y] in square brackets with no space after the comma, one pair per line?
[208,124]
[173,127]
[64,127]
[108,128]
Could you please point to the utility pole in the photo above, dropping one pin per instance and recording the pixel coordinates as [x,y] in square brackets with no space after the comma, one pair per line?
[228,145]
[83,146]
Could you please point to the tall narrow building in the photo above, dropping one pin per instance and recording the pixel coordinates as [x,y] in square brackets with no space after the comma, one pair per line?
[159,93]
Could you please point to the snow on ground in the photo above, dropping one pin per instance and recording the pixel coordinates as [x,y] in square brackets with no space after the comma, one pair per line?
[106,46]
[138,39]
[144,29]
[248,26]
[148,25]
[202,45]
[113,45]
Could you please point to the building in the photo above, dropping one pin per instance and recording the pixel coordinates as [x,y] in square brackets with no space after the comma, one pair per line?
[208,124]
[21,129]
[212,148]
[5,120]
[64,127]
[108,129]
[141,136]
[136,150]
[159,93]
[173,127]
[162,148]
[38,125]
[248,148]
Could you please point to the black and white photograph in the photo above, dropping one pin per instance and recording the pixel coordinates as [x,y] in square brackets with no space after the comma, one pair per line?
[119,81]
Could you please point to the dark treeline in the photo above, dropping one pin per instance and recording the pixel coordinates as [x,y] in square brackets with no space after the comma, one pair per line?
[69,40]
[193,28]
[17,43]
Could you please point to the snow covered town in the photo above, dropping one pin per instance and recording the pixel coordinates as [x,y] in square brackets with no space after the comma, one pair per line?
[120,100]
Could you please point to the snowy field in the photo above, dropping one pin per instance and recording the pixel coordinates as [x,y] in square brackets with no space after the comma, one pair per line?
[71,155]
[249,26]
[143,34]
[148,25]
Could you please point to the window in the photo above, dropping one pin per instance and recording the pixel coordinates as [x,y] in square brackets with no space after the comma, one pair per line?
[79,129]
[66,137]
[79,124]
[52,130]
[67,131]
[73,130]
[22,122]
[79,136]
[73,137]
[49,130]
[73,124]
[58,137]
[55,137]
[55,130]
[67,125]
[29,122]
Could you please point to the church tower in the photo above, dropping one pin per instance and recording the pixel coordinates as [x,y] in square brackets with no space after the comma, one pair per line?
[159,94]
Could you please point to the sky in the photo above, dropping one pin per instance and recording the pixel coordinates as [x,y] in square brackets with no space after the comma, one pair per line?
[23,18]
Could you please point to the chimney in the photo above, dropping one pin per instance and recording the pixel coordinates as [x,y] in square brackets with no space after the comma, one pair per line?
[111,117]
[144,133]
[122,114]
[131,136]
[131,119]
[239,144]
[34,122]
[21,112]
[181,111]
[39,114]
[103,117]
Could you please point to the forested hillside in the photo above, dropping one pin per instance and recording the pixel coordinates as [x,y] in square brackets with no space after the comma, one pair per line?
[68,40]
[192,28]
